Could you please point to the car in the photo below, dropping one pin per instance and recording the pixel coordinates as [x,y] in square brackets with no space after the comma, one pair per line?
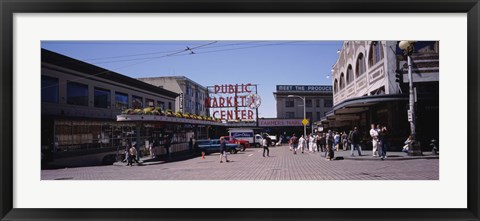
[213,145]
[244,144]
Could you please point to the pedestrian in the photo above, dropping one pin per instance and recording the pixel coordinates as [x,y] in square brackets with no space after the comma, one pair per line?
[329,154]
[301,143]
[294,142]
[323,142]
[374,135]
[344,141]
[132,155]
[319,141]
[336,139]
[382,134]
[223,150]
[312,143]
[127,151]
[355,140]
[265,146]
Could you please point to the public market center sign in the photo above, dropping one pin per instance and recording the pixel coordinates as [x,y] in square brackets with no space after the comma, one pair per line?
[233,101]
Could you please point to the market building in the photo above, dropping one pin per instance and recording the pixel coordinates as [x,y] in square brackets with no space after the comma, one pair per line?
[289,104]
[80,103]
[370,85]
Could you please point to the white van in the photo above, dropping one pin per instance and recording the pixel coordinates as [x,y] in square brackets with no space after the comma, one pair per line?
[244,134]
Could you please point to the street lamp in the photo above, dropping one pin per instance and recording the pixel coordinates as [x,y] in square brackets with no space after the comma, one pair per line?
[304,114]
[407,47]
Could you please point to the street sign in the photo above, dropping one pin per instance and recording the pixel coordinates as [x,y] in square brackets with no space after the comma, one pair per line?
[304,121]
[410,116]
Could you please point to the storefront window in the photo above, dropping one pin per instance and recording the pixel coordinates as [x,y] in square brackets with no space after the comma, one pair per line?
[101,98]
[121,101]
[77,94]
[49,89]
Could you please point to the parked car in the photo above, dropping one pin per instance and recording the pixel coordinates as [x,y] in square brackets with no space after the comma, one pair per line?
[243,143]
[213,145]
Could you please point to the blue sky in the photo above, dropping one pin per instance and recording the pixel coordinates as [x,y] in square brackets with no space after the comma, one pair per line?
[265,63]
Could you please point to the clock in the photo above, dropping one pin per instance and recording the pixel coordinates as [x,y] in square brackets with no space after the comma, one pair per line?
[253,101]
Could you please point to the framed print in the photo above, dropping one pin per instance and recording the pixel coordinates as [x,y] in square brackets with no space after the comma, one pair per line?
[239,110]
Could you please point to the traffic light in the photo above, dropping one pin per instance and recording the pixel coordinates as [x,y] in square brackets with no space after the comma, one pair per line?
[399,76]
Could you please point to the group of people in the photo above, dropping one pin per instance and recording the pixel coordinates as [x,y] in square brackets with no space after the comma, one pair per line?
[133,153]
[331,141]
[379,141]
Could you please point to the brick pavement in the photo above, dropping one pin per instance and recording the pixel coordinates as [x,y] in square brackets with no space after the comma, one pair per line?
[250,165]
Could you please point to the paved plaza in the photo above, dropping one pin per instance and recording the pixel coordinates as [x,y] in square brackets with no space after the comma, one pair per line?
[250,165]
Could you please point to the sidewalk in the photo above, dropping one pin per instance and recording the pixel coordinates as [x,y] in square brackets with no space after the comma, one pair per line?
[367,155]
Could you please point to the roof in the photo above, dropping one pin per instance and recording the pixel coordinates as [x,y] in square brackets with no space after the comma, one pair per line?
[60,60]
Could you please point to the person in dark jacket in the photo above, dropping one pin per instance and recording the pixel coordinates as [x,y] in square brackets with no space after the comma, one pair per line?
[223,150]
[355,140]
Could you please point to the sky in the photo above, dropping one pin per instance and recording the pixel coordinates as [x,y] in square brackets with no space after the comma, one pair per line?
[265,63]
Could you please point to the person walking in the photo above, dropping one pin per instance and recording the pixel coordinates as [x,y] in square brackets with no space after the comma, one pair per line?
[168,142]
[301,144]
[383,141]
[323,142]
[329,154]
[223,150]
[319,141]
[294,142]
[344,141]
[336,139]
[374,135]
[132,155]
[265,146]
[312,143]
[355,140]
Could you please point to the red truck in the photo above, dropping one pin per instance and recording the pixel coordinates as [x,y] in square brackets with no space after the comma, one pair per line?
[243,143]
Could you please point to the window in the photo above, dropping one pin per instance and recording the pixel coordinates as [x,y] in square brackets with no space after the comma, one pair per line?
[189,90]
[317,103]
[327,103]
[149,102]
[309,115]
[375,53]
[101,98]
[335,86]
[170,106]
[77,94]
[121,101]
[349,74]
[308,102]
[49,89]
[137,102]
[161,105]
[342,81]
[289,114]
[318,116]
[360,67]
[289,103]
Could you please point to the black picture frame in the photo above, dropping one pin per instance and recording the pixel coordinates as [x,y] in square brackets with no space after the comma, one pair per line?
[10,7]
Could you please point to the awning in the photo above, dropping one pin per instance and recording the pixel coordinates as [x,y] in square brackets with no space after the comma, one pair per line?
[349,109]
